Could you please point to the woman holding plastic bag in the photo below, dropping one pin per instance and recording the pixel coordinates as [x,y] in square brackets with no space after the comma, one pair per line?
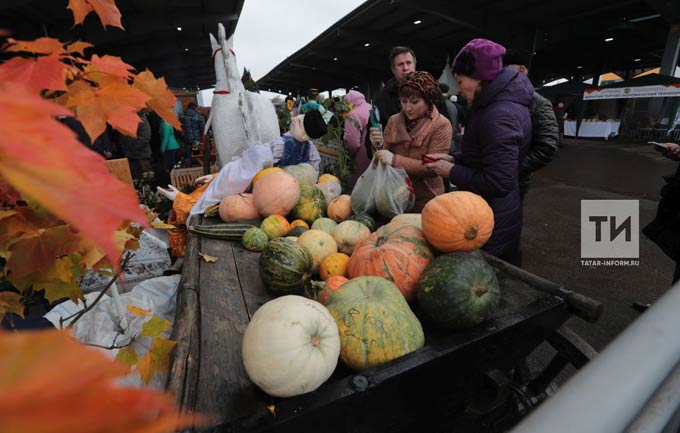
[419,129]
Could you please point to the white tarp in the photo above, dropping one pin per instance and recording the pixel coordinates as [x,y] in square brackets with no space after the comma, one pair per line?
[656,91]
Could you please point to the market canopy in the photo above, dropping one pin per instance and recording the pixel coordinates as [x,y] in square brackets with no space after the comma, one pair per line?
[568,88]
[568,37]
[646,86]
[152,37]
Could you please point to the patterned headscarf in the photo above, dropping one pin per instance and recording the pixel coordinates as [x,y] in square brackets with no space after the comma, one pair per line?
[424,83]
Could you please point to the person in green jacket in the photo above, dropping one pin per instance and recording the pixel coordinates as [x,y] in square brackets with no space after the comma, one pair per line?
[169,145]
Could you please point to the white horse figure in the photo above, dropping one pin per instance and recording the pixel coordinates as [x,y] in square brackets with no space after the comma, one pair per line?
[239,118]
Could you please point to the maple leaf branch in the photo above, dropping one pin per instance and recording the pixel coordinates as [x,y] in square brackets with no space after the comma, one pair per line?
[113,344]
[81,313]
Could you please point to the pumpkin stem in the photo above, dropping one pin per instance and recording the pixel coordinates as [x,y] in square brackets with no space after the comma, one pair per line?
[316,340]
[471,232]
[381,240]
[480,291]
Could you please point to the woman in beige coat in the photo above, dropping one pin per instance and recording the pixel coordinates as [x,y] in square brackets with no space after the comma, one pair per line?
[419,129]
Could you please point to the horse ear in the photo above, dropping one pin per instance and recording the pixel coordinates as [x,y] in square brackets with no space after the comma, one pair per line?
[221,33]
[213,43]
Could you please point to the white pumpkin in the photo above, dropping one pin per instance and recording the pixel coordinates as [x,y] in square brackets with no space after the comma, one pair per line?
[291,346]
[414,219]
[325,224]
[330,189]
[304,173]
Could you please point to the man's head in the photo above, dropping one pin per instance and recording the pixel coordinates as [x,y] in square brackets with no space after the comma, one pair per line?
[191,106]
[402,61]
[518,59]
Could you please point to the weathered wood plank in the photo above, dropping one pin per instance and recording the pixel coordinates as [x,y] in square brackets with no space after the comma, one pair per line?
[183,376]
[254,292]
[224,388]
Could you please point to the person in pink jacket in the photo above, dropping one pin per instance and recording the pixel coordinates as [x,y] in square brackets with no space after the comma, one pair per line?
[355,133]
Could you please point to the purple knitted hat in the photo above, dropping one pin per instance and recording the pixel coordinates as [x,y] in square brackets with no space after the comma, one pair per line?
[481,59]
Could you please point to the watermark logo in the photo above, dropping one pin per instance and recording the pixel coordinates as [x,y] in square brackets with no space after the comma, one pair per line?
[610,229]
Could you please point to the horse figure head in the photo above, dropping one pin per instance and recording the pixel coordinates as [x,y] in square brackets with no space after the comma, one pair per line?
[224,58]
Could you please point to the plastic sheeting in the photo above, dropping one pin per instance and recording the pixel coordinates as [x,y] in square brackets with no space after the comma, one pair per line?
[111,323]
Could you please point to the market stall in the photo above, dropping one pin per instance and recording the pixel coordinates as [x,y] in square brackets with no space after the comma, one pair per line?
[604,129]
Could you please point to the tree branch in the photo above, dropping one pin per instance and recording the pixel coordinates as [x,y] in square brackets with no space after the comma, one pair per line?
[82,312]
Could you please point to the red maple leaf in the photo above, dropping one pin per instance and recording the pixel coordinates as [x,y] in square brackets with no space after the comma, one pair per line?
[43,160]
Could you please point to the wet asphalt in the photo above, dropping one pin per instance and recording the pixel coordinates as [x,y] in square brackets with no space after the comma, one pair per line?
[586,170]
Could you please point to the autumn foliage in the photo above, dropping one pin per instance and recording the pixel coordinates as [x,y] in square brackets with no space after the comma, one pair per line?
[62,213]
[50,383]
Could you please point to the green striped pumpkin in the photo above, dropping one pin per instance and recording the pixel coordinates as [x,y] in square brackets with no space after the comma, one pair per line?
[255,239]
[365,219]
[376,324]
[311,205]
[285,266]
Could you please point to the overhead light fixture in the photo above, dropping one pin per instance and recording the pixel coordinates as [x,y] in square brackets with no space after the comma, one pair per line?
[579,67]
[367,44]
[186,49]
[609,39]
[179,29]
[335,58]
[637,60]
[416,22]
[645,18]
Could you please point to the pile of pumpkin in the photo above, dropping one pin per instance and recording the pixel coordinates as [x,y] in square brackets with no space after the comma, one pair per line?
[360,313]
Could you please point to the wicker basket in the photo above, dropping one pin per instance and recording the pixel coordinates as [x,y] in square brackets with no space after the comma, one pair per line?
[182,176]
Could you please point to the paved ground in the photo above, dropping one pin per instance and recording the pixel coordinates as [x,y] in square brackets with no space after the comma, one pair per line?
[587,169]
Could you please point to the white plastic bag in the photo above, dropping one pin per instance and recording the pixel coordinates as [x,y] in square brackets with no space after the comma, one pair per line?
[383,189]
[234,177]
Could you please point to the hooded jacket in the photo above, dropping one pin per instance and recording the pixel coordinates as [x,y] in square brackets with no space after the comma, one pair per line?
[355,133]
[494,145]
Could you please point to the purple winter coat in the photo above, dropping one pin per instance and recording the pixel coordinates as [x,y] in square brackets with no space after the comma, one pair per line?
[355,133]
[494,145]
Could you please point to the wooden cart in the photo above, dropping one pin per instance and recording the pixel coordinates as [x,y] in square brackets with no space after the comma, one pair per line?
[474,380]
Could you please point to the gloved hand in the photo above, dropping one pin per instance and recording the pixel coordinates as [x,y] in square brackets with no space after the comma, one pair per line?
[385,156]
[170,193]
[204,179]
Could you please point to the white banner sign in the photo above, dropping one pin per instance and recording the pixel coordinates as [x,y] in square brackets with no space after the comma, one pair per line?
[660,91]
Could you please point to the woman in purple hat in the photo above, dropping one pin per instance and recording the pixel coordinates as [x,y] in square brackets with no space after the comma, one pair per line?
[495,142]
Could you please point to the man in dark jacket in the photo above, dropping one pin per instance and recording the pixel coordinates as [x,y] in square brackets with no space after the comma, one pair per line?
[664,230]
[545,130]
[137,150]
[402,61]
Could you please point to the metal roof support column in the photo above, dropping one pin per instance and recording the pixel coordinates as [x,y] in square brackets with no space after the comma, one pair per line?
[668,63]
[671,53]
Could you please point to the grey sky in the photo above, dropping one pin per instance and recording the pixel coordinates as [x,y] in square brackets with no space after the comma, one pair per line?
[268,31]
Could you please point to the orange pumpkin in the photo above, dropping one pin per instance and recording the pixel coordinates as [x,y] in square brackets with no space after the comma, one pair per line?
[238,207]
[334,264]
[276,194]
[340,208]
[348,234]
[275,226]
[397,253]
[457,221]
[332,284]
[299,223]
[260,174]
[326,178]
